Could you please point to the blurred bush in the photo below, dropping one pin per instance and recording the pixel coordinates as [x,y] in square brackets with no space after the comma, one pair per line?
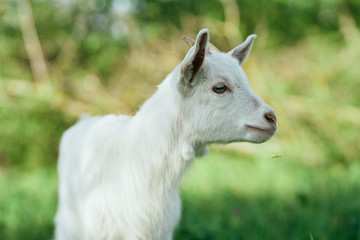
[108,56]
[30,133]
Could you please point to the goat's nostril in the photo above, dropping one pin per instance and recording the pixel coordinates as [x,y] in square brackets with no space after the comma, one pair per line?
[270,117]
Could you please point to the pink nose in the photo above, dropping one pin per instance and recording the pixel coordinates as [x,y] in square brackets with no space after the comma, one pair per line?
[270,117]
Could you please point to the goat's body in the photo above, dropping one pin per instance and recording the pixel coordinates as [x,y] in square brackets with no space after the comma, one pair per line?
[114,184]
[119,175]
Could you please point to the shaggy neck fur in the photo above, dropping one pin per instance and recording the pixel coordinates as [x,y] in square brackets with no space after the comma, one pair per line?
[159,165]
[166,123]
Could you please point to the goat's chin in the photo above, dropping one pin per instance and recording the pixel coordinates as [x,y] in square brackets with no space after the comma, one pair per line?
[257,135]
[259,140]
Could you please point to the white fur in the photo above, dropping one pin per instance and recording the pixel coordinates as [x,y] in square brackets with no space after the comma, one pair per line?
[119,175]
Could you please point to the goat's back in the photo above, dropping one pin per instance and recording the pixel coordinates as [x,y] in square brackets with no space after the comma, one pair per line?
[81,165]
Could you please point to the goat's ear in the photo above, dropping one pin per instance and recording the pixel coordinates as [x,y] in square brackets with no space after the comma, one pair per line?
[242,51]
[194,61]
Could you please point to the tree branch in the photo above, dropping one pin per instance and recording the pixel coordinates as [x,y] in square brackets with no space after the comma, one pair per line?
[31,42]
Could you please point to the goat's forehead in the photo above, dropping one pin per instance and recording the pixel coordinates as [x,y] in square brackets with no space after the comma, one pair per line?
[223,59]
[223,64]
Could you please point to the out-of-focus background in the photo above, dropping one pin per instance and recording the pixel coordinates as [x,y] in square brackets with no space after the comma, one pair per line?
[62,58]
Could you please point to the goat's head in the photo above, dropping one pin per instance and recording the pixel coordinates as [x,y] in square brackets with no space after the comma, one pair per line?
[217,98]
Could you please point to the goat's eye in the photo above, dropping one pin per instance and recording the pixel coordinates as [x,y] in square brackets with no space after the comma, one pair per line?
[219,88]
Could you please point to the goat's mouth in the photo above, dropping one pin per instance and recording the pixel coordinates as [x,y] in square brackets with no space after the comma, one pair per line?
[267,131]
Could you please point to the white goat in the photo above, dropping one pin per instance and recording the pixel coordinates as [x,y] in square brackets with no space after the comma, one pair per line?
[119,175]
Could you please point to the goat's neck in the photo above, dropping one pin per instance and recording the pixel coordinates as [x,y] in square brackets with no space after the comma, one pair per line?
[164,137]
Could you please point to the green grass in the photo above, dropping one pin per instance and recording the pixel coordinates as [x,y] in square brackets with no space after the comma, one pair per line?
[224,196]
[227,197]
[27,204]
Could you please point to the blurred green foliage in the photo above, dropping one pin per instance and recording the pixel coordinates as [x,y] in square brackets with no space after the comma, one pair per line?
[288,20]
[30,133]
[108,56]
[99,30]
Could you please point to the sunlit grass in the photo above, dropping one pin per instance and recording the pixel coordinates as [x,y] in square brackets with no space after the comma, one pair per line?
[27,204]
[225,196]
[228,197]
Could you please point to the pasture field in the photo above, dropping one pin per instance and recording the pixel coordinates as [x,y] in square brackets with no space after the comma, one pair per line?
[224,195]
